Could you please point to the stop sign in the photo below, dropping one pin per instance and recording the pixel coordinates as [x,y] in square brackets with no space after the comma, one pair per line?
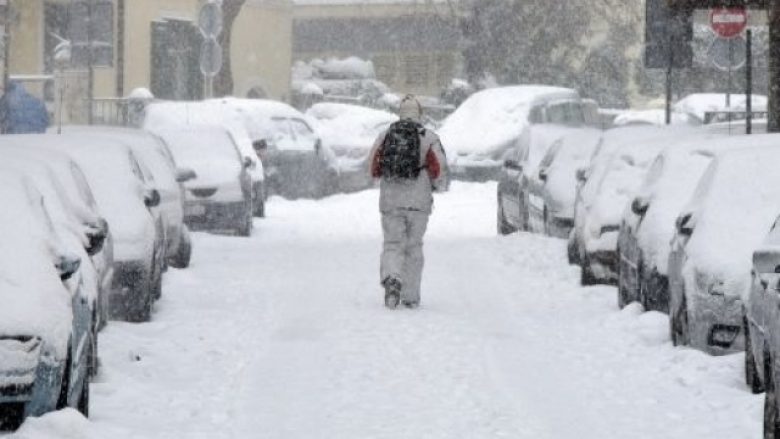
[728,22]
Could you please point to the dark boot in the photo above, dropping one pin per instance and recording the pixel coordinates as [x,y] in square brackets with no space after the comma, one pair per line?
[392,292]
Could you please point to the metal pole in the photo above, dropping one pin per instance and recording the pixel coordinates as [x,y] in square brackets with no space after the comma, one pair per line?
[7,45]
[669,83]
[90,62]
[749,83]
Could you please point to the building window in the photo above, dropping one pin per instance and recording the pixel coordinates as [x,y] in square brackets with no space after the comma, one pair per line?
[77,22]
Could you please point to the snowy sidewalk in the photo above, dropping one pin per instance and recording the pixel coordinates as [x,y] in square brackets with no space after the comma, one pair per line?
[284,336]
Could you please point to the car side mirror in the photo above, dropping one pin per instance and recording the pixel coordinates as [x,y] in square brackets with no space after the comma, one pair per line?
[152,198]
[685,225]
[582,175]
[260,145]
[97,237]
[513,165]
[184,175]
[639,206]
[67,266]
[249,163]
[543,174]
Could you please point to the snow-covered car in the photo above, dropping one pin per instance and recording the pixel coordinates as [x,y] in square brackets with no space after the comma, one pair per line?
[648,226]
[495,129]
[125,195]
[706,108]
[222,112]
[220,195]
[652,117]
[728,216]
[45,319]
[604,190]
[153,152]
[350,131]
[550,192]
[762,315]
[62,182]
[85,240]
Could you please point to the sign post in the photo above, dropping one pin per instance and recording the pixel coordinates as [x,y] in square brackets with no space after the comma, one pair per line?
[729,24]
[210,22]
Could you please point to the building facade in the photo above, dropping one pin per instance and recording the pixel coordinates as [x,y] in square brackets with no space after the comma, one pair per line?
[152,44]
[413,45]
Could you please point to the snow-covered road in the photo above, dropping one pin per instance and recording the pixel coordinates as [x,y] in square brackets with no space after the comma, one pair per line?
[284,336]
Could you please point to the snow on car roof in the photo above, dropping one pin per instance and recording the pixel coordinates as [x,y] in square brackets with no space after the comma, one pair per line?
[679,170]
[492,118]
[256,116]
[349,126]
[649,117]
[35,303]
[734,206]
[109,167]
[208,150]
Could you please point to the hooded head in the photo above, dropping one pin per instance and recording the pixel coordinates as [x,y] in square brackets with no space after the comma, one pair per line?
[410,109]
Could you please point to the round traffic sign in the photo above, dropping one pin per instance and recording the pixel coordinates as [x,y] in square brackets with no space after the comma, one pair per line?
[210,19]
[728,53]
[210,57]
[728,22]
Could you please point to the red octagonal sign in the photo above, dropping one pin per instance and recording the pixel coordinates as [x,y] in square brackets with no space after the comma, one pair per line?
[728,22]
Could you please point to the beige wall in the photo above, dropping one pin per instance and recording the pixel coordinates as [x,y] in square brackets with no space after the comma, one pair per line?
[262,49]
[139,15]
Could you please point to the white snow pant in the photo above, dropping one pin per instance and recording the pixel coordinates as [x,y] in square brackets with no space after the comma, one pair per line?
[402,254]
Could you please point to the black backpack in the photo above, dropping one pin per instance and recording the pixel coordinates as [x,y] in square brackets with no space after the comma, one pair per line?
[401,151]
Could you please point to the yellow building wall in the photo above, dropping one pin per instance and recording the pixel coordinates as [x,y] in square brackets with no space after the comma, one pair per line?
[139,16]
[27,43]
[261,44]
[262,49]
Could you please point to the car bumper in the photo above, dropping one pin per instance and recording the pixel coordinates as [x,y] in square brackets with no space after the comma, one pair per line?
[716,323]
[561,227]
[28,379]
[209,216]
[657,291]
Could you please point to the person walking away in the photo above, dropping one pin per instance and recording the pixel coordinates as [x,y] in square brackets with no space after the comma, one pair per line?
[21,112]
[411,164]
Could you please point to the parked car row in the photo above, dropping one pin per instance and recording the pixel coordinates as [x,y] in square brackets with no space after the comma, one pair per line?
[683,219]
[287,154]
[92,218]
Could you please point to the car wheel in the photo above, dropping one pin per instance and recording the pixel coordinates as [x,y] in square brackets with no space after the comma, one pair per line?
[586,275]
[547,225]
[260,208]
[94,360]
[771,416]
[140,307]
[525,216]
[571,250]
[502,225]
[244,228]
[622,294]
[62,400]
[12,416]
[679,324]
[184,253]
[83,402]
[751,373]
